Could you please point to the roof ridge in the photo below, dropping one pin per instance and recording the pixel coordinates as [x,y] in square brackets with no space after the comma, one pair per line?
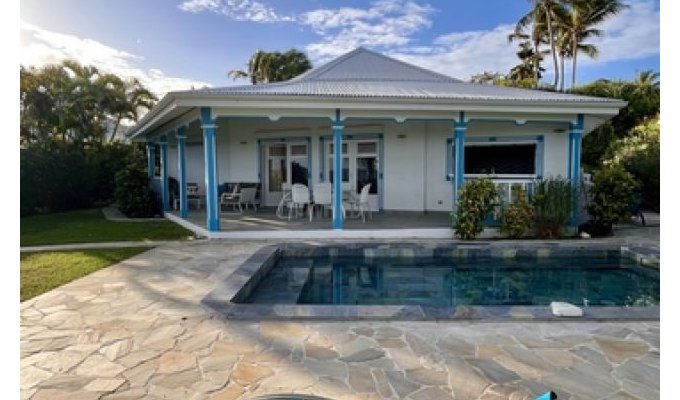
[316,72]
[325,67]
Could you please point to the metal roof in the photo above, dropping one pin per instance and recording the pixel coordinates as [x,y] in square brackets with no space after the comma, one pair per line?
[364,73]
[365,76]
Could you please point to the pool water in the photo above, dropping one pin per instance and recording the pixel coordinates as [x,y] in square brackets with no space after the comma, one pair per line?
[445,283]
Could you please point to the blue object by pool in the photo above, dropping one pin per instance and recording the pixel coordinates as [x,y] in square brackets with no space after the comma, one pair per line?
[443,282]
[547,396]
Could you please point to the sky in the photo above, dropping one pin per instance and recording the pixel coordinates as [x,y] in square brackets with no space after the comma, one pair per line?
[176,45]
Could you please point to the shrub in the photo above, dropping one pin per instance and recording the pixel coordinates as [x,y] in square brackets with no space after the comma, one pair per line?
[60,176]
[639,154]
[516,218]
[133,194]
[105,160]
[54,178]
[612,195]
[553,201]
[476,201]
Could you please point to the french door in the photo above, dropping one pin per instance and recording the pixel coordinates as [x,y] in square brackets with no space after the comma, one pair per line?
[360,166]
[283,163]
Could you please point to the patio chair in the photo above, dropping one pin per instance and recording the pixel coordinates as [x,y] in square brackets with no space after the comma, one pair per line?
[285,200]
[299,200]
[362,204]
[248,197]
[323,198]
[232,198]
[349,200]
[192,194]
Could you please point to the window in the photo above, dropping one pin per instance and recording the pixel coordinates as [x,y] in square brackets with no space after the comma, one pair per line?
[512,159]
[157,161]
[519,159]
[299,164]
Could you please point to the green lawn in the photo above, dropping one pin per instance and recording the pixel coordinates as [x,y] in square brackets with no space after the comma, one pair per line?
[86,226]
[44,271]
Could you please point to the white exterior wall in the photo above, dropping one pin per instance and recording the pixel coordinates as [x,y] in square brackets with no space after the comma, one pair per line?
[414,162]
[195,165]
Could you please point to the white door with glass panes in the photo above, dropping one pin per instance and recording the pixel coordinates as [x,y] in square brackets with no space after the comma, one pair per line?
[283,163]
[360,166]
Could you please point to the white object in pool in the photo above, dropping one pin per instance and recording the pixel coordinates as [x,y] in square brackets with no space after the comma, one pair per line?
[561,309]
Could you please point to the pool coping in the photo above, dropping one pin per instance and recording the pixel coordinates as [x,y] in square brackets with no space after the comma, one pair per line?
[225,297]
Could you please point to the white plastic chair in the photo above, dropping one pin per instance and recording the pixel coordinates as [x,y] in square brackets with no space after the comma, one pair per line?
[232,198]
[323,196]
[192,194]
[285,201]
[248,197]
[349,200]
[363,204]
[299,199]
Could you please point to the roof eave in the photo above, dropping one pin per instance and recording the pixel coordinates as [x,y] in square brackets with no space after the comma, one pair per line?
[188,99]
[157,111]
[198,99]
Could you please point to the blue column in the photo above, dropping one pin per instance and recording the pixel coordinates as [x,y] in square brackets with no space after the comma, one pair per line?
[181,171]
[210,158]
[575,140]
[165,194]
[459,130]
[151,159]
[338,128]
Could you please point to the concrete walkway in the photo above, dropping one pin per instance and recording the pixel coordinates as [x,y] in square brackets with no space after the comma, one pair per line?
[137,330]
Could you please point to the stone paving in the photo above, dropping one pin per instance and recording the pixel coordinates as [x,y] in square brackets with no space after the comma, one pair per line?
[138,330]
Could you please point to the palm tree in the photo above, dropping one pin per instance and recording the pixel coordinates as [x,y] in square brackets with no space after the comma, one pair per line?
[646,82]
[583,16]
[565,49]
[535,38]
[543,14]
[526,70]
[127,100]
[266,67]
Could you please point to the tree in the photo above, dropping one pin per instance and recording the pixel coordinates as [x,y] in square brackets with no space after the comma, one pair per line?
[127,100]
[529,67]
[70,102]
[535,38]
[542,18]
[583,16]
[565,49]
[643,97]
[266,67]
[486,77]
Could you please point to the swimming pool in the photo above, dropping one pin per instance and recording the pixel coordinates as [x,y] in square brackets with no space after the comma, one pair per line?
[440,280]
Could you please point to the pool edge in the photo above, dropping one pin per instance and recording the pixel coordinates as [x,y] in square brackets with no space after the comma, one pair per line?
[238,285]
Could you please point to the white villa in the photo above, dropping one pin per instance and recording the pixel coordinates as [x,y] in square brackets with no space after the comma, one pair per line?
[413,134]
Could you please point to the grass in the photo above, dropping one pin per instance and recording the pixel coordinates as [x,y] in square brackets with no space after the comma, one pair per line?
[87,226]
[44,271]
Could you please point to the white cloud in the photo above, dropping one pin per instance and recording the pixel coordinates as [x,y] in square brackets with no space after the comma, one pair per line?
[632,34]
[40,47]
[240,10]
[385,23]
[463,54]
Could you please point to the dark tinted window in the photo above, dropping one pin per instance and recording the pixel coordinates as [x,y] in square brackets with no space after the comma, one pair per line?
[517,159]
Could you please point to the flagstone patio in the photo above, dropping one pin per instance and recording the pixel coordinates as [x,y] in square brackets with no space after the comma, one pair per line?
[138,330]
